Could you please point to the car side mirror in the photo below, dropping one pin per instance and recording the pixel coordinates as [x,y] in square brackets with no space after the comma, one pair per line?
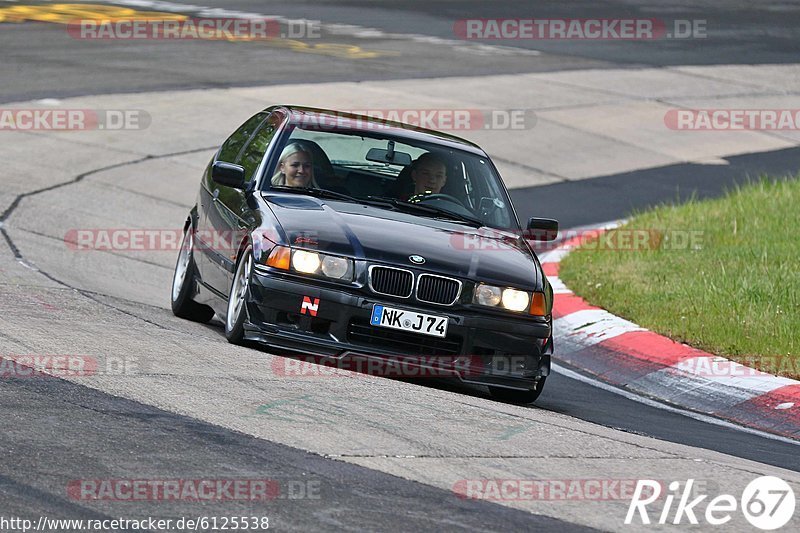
[228,174]
[542,229]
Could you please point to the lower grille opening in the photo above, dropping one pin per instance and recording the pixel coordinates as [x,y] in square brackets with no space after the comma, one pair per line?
[314,325]
[362,333]
[319,326]
[282,317]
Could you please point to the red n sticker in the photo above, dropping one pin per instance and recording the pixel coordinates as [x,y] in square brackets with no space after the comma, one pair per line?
[309,305]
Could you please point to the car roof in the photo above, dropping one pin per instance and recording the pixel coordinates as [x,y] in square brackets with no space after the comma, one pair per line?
[355,122]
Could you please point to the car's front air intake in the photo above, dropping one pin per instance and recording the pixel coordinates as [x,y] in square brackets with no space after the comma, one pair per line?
[391,281]
[437,289]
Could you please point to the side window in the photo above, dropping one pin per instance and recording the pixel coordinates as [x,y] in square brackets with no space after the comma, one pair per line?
[254,152]
[230,150]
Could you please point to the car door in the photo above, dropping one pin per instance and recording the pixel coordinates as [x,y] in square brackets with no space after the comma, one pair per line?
[230,215]
[211,253]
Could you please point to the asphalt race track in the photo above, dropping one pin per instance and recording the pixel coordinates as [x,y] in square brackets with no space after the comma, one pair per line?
[171,400]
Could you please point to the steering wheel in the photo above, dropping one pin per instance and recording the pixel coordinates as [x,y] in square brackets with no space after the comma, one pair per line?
[436,196]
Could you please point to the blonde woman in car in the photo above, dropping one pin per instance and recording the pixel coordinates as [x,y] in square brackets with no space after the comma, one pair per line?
[295,167]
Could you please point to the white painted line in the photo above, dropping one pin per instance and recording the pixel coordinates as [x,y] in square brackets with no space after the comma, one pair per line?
[558,285]
[554,256]
[658,405]
[592,326]
[701,394]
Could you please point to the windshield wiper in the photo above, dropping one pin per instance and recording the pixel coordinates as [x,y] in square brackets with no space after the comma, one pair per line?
[450,214]
[427,209]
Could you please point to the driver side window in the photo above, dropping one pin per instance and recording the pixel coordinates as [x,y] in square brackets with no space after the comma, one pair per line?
[233,146]
[254,152]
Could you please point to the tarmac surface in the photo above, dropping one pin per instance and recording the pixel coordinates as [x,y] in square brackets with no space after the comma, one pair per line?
[173,400]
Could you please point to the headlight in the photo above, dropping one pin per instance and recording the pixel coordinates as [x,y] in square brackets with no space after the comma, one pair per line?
[511,299]
[314,263]
[487,295]
[515,300]
[305,262]
[335,267]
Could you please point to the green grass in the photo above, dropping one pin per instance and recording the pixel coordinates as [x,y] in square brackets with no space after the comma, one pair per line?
[734,291]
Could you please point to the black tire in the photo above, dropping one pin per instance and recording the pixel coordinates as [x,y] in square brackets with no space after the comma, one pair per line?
[518,396]
[183,283]
[237,298]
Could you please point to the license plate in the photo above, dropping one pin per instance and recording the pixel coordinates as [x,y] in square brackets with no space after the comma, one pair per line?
[390,317]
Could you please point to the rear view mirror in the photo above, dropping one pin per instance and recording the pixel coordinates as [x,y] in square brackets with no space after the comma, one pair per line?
[380,155]
[542,229]
[228,174]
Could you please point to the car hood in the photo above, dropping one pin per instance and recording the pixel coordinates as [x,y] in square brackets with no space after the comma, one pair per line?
[383,236]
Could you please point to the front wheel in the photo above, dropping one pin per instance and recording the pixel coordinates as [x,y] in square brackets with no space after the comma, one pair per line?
[183,283]
[517,396]
[234,321]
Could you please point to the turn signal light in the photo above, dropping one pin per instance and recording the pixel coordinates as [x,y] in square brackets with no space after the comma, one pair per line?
[538,306]
[280,257]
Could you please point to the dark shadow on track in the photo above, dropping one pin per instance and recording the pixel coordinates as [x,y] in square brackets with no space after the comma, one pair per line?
[95,436]
[595,200]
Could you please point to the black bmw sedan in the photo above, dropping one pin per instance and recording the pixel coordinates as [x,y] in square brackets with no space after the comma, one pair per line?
[346,237]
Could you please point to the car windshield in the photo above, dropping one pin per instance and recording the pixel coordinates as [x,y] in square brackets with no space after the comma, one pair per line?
[394,172]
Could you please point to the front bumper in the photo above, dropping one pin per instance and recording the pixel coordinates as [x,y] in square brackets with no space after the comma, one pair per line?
[333,326]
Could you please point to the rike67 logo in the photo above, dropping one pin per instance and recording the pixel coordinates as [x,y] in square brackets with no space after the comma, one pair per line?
[767,503]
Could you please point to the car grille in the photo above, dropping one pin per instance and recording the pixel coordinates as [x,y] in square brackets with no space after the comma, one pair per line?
[391,281]
[362,333]
[437,289]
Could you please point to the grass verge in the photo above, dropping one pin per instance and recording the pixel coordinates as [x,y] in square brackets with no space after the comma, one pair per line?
[722,275]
